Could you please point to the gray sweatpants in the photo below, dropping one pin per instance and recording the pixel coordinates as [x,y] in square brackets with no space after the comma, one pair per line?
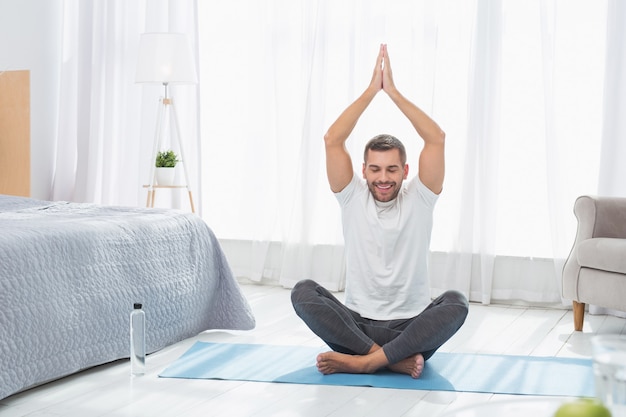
[346,331]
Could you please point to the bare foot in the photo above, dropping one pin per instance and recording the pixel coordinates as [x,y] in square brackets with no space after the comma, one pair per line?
[335,362]
[413,365]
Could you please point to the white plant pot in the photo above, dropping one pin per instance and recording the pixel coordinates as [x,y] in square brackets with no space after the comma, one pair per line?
[165,175]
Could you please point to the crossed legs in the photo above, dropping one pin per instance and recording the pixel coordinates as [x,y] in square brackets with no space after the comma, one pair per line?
[362,345]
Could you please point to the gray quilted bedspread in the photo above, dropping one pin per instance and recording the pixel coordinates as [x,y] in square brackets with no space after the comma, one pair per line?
[70,273]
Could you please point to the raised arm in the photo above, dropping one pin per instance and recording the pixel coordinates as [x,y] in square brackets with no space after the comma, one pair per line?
[432,157]
[339,167]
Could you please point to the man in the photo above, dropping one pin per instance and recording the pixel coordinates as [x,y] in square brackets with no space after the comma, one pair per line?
[388,319]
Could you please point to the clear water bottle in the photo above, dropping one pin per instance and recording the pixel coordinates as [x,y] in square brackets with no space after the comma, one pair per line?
[137,340]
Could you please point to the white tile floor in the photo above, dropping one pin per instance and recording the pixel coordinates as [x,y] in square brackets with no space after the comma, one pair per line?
[108,390]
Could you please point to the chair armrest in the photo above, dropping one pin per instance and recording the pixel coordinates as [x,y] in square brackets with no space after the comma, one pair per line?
[597,217]
[600,217]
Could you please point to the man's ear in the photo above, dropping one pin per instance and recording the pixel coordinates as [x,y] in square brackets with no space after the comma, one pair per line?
[406,171]
[363,170]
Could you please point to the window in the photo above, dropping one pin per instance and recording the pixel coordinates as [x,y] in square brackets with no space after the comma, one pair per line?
[275,74]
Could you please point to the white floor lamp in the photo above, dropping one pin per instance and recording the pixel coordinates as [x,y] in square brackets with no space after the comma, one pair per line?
[165,58]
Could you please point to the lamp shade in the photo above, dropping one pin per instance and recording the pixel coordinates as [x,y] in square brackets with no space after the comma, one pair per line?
[165,58]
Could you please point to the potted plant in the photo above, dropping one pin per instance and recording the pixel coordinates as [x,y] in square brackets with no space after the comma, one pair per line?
[165,163]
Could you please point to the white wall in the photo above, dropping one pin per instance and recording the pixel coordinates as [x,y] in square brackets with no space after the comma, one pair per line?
[30,39]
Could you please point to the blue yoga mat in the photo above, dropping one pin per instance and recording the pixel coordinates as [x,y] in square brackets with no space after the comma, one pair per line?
[501,374]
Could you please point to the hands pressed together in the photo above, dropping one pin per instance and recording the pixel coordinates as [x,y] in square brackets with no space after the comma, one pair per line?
[382,79]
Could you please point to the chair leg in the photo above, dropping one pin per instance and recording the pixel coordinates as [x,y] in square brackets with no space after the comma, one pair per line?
[579,315]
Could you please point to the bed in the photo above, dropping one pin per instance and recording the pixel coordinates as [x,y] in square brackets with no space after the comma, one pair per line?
[70,273]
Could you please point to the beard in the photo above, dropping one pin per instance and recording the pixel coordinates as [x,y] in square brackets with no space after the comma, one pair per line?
[384,191]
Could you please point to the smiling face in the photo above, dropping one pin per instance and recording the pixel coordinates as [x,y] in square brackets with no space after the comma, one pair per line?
[384,172]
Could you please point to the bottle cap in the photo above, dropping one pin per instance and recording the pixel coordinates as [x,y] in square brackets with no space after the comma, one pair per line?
[137,306]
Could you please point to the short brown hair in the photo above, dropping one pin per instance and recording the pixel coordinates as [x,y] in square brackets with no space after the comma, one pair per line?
[385,142]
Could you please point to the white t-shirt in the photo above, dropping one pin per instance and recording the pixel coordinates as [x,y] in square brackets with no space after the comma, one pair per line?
[387,246]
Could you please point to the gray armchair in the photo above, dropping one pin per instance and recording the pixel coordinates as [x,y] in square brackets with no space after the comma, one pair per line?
[595,271]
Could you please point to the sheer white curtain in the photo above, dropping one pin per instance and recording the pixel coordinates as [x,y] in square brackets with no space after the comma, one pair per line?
[472,250]
[106,121]
[612,166]
[518,86]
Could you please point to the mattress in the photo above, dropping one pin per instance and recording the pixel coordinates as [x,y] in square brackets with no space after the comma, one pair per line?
[70,273]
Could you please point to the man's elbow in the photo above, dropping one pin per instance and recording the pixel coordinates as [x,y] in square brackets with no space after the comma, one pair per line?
[327,137]
[435,138]
[440,137]
[331,139]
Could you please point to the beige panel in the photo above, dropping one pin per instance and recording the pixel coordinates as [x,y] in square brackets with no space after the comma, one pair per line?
[15,133]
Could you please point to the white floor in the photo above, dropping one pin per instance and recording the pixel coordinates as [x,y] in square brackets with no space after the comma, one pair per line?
[108,390]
